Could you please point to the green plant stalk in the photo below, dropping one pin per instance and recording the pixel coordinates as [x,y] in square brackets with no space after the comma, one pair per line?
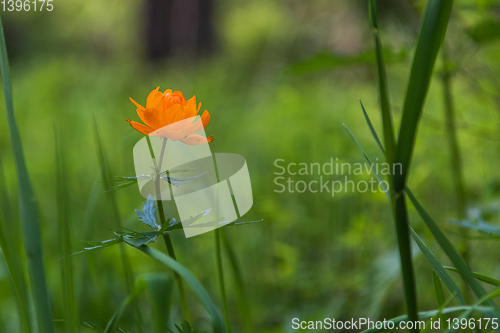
[220,272]
[398,200]
[17,278]
[239,284]
[12,252]
[455,159]
[65,236]
[27,204]
[166,236]
[127,267]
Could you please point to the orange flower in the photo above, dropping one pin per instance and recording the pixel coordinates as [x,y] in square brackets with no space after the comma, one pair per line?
[169,115]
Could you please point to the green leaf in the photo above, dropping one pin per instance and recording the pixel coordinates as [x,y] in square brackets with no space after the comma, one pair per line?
[195,285]
[383,89]
[63,211]
[138,288]
[28,209]
[438,268]
[148,214]
[425,315]
[159,288]
[479,276]
[451,252]
[431,36]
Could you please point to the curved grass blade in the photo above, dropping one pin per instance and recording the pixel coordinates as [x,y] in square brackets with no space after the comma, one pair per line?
[438,268]
[452,253]
[476,306]
[425,315]
[432,31]
[28,209]
[195,285]
[479,276]
[136,291]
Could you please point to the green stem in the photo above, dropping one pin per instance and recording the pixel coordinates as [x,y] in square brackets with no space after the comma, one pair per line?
[220,269]
[220,272]
[455,159]
[404,244]
[398,200]
[166,237]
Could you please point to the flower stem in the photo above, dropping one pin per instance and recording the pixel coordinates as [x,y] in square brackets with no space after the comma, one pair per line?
[166,237]
[220,272]
[220,269]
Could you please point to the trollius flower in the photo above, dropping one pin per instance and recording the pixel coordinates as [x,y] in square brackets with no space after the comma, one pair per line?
[169,115]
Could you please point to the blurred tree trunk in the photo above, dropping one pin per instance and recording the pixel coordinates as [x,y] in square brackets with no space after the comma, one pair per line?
[179,27]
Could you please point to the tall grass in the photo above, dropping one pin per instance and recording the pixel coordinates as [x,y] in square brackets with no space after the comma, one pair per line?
[28,208]
[65,238]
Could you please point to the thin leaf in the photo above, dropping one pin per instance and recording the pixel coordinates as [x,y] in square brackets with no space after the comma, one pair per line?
[159,288]
[479,276]
[195,285]
[383,89]
[28,209]
[424,315]
[451,252]
[432,31]
[438,268]
[136,291]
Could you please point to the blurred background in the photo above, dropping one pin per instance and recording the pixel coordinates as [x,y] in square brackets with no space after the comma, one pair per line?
[279,78]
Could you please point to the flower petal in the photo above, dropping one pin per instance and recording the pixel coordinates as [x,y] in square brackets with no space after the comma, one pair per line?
[140,127]
[139,106]
[154,118]
[154,100]
[195,139]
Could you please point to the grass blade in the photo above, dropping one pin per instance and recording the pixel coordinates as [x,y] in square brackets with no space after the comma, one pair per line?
[451,252]
[198,289]
[439,293]
[431,36]
[426,315]
[438,268]
[159,288]
[239,284]
[383,89]
[106,177]
[29,214]
[136,291]
[479,276]
[65,235]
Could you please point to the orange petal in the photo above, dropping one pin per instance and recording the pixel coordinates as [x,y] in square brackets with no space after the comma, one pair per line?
[153,118]
[205,118]
[140,127]
[164,132]
[195,139]
[139,106]
[200,124]
[190,107]
[173,114]
[154,100]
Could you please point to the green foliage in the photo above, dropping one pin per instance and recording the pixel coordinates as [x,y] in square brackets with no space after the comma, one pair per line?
[29,214]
